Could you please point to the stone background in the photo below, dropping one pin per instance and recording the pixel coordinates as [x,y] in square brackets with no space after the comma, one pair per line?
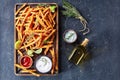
[104,21]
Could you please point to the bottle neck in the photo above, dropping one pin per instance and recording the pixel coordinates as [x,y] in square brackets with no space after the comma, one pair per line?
[85,42]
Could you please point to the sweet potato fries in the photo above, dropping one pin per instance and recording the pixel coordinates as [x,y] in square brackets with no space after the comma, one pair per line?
[36,27]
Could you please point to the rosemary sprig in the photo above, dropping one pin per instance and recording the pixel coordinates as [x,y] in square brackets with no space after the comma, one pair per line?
[71,11]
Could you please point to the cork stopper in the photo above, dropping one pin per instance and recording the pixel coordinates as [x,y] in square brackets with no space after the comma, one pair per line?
[85,42]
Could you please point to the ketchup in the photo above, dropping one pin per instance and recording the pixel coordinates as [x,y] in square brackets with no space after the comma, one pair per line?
[26,61]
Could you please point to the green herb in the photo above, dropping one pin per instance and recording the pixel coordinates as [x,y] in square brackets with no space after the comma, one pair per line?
[70,36]
[52,8]
[30,53]
[38,51]
[71,11]
[18,44]
[46,41]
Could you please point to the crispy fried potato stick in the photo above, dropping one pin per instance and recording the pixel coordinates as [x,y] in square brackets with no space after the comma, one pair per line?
[21,54]
[30,43]
[35,74]
[53,60]
[20,8]
[24,71]
[40,21]
[50,35]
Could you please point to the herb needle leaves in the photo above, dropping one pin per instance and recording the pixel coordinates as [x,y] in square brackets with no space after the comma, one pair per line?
[71,11]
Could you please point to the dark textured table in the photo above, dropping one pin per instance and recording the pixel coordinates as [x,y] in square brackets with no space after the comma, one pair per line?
[104,21]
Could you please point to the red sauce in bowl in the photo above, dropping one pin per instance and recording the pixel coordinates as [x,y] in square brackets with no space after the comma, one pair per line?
[26,61]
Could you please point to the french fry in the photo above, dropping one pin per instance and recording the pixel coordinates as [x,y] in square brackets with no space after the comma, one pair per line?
[46,50]
[53,60]
[20,8]
[48,23]
[45,15]
[26,9]
[21,54]
[25,71]
[54,15]
[49,42]
[52,38]
[50,17]
[46,10]
[40,13]
[19,36]
[44,46]
[31,48]
[30,43]
[35,74]
[40,21]
[47,46]
[36,25]
[56,65]
[31,22]
[38,31]
[50,34]
[39,42]
[27,14]
[36,9]
[23,39]
[25,47]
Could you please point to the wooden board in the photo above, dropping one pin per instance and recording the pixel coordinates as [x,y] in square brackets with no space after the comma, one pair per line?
[56,42]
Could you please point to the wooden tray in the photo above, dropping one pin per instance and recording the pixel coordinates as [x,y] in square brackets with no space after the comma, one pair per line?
[56,42]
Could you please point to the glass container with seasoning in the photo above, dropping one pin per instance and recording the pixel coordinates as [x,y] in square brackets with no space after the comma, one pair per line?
[70,36]
[79,52]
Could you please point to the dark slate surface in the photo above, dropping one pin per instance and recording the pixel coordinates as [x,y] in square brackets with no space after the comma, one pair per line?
[104,46]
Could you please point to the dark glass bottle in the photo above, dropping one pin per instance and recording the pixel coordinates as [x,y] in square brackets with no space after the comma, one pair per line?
[79,52]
